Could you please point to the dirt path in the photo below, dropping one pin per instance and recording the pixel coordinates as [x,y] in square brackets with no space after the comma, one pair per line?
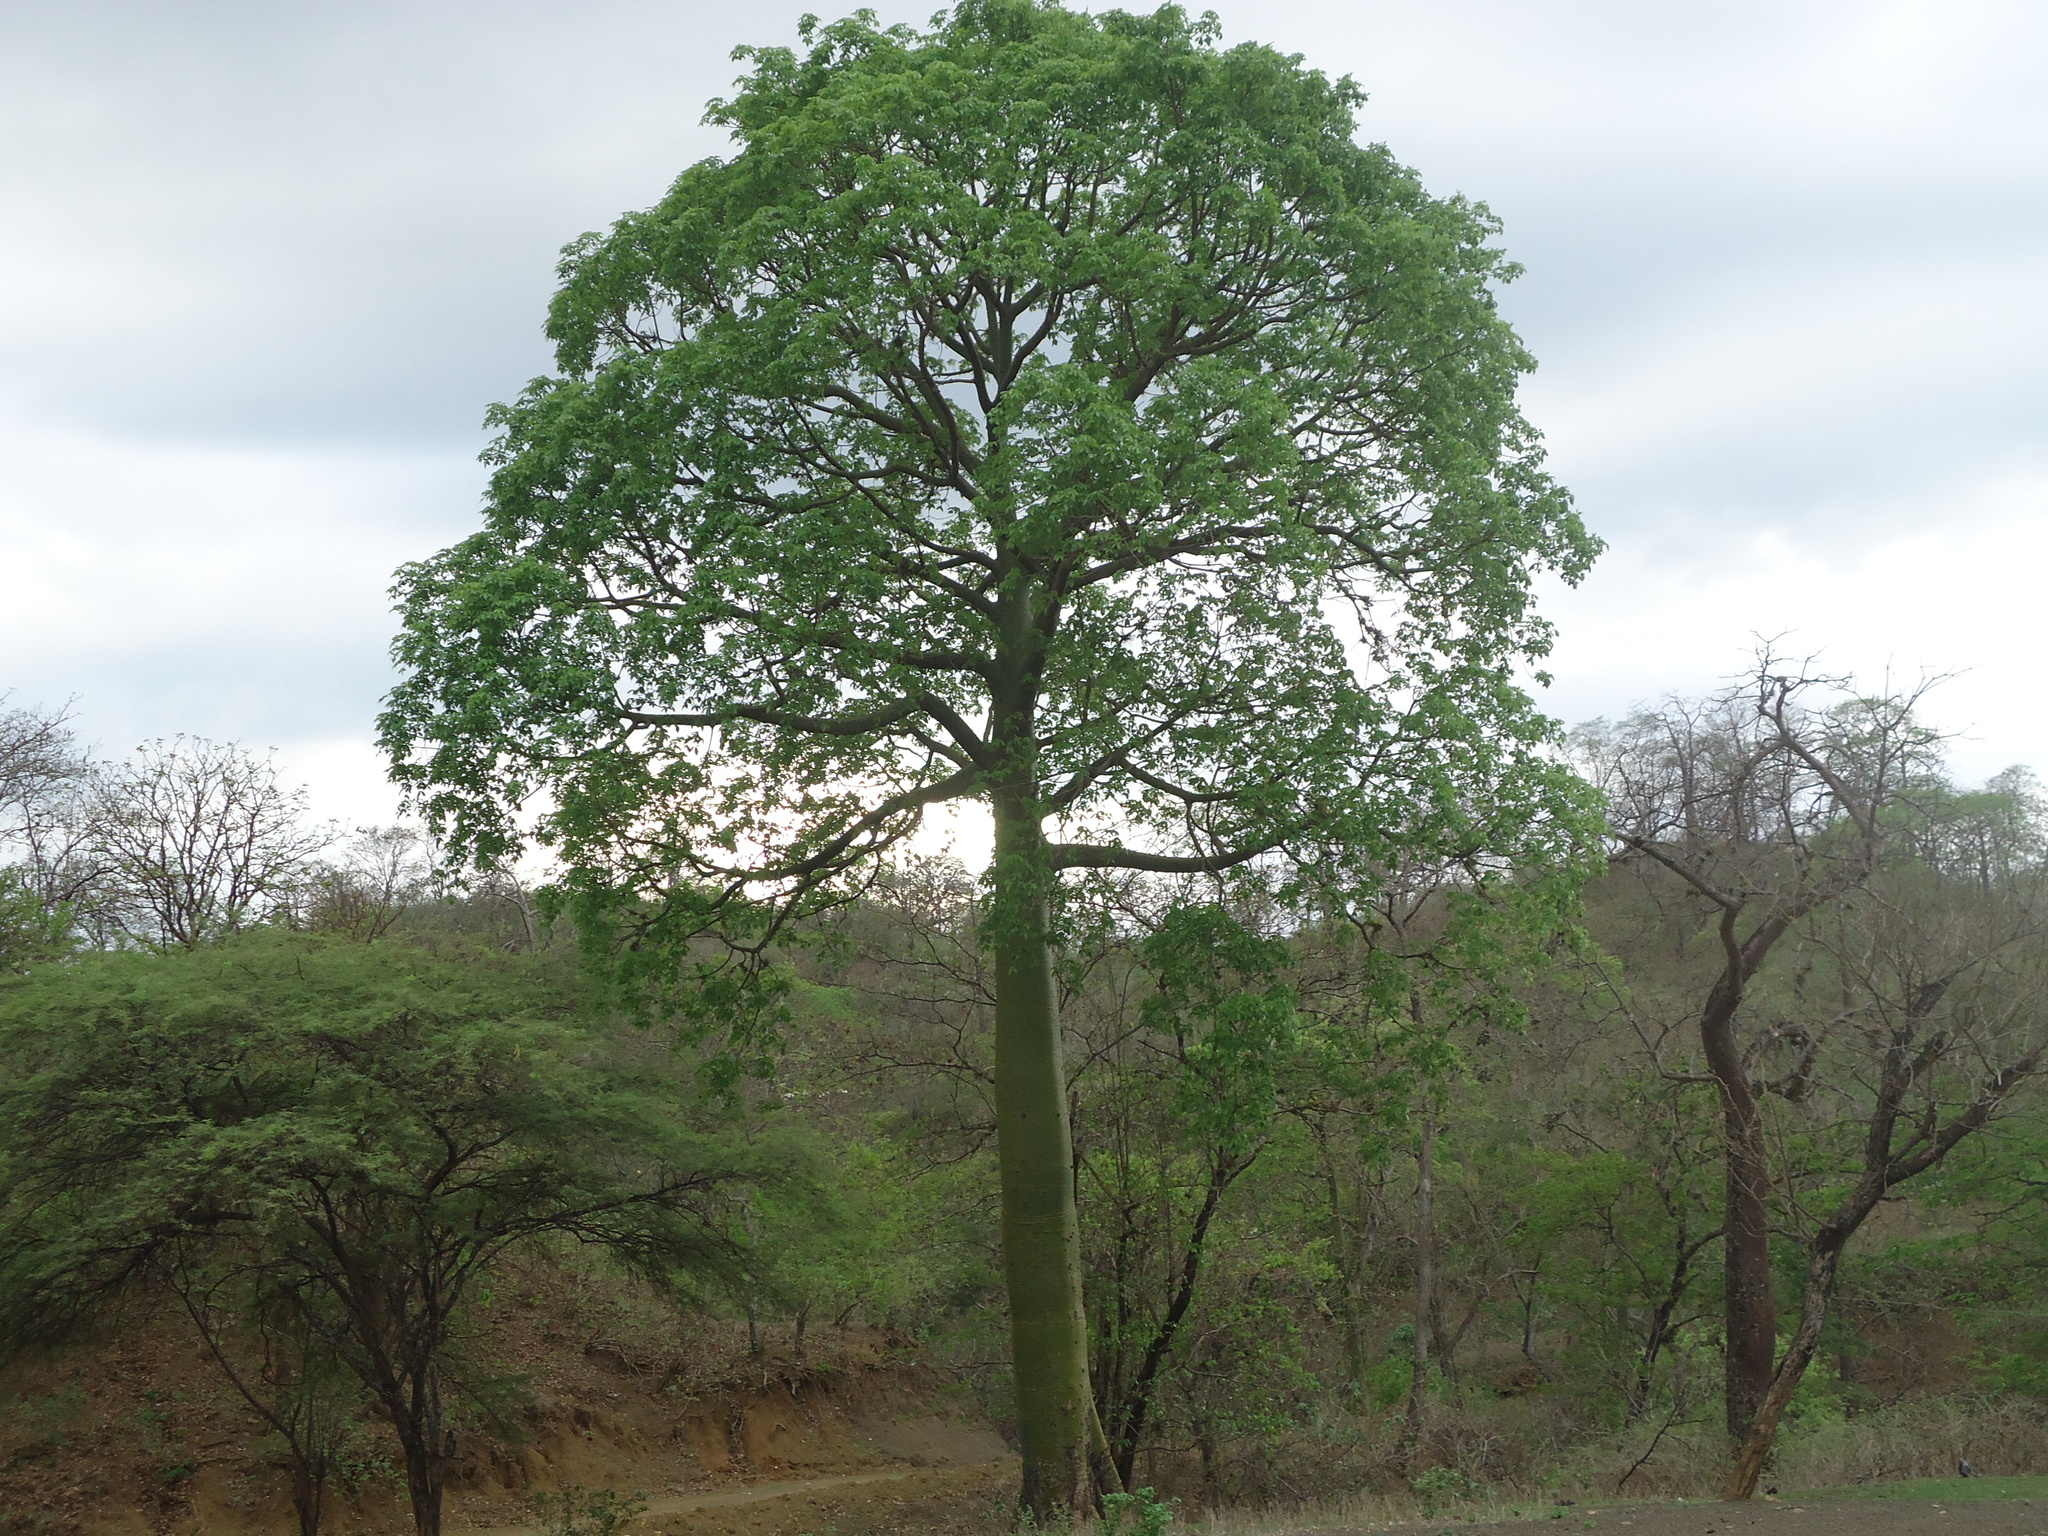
[974,1501]
[841,1501]
[753,1493]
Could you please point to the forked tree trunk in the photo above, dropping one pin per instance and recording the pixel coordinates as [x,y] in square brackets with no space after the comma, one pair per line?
[1763,1429]
[423,1480]
[1882,1173]
[1041,1234]
[309,1483]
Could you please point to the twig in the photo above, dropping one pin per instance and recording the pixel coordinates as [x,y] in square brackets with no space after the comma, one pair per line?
[1657,1439]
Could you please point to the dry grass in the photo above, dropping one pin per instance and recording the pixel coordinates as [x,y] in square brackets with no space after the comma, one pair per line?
[1518,1460]
[2003,1437]
[1365,1512]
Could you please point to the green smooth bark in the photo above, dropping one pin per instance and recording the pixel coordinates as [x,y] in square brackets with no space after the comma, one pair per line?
[1041,1233]
[1034,1139]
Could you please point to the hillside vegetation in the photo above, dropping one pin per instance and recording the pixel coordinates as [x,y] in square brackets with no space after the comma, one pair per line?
[1340,1080]
[376,1187]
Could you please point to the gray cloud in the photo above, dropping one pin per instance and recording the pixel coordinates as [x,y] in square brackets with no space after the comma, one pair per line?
[264,223]
[263,266]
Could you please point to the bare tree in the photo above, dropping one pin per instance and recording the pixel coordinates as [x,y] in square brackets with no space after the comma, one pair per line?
[1863,1013]
[361,893]
[193,840]
[36,754]
[1767,810]
[1934,977]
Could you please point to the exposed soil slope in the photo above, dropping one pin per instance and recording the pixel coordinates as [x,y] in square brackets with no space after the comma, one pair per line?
[140,1437]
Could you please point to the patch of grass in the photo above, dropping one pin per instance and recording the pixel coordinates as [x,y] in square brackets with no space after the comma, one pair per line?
[577,1511]
[1939,1490]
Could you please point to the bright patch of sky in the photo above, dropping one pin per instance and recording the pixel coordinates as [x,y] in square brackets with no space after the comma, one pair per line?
[262,267]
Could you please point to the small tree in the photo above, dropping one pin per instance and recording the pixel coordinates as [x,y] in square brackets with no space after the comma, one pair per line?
[1166,1140]
[1052,411]
[363,893]
[360,1131]
[258,1325]
[41,875]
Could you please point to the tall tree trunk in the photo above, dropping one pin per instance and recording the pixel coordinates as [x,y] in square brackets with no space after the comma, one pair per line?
[1041,1235]
[423,1475]
[309,1498]
[424,1440]
[1425,1280]
[1749,1298]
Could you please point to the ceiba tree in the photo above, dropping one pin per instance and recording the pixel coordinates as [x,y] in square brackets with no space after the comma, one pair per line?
[1054,411]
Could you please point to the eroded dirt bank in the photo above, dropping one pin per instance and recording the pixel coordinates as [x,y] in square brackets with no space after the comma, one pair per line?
[140,1437]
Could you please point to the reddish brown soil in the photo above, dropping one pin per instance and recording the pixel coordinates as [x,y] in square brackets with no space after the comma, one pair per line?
[138,1436]
[952,1501]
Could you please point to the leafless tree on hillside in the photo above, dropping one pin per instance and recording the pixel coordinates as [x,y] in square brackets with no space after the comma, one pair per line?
[361,892]
[1792,812]
[1767,809]
[195,840]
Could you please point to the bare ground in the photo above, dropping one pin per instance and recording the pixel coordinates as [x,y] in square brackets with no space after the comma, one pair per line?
[137,1436]
[935,1501]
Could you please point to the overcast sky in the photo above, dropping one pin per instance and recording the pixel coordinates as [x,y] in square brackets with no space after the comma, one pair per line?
[263,266]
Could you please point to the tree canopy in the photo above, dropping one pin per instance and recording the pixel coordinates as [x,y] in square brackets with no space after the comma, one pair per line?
[1050,394]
